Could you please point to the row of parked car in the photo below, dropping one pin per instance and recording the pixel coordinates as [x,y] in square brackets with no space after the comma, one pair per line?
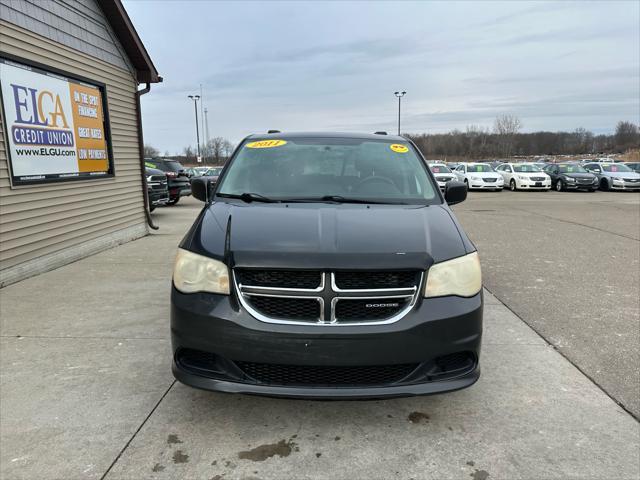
[590,175]
[168,181]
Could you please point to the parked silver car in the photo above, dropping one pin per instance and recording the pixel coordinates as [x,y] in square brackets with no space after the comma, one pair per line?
[442,173]
[614,176]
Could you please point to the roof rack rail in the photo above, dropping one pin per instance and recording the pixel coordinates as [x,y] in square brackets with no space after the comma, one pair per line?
[380,133]
[273,131]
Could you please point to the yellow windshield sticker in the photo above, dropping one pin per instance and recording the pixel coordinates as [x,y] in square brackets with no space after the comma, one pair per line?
[396,147]
[266,144]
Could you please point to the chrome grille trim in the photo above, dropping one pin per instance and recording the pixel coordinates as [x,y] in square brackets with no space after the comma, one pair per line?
[245,292]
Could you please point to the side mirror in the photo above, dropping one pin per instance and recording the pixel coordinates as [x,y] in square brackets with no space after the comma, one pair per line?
[455,192]
[201,189]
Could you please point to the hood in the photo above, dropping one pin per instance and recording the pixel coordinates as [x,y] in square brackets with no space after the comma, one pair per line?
[531,174]
[444,175]
[327,236]
[590,176]
[627,175]
[485,174]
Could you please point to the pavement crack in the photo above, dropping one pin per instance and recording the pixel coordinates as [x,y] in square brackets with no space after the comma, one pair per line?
[137,431]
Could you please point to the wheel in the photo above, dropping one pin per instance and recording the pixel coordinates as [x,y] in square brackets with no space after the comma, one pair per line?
[466,184]
[173,201]
[604,185]
[559,186]
[152,208]
[512,185]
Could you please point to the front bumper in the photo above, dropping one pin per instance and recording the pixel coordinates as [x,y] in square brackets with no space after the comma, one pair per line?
[580,186]
[217,326]
[158,197]
[633,187]
[529,185]
[485,186]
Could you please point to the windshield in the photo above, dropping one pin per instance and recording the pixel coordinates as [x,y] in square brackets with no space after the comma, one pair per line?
[440,169]
[312,168]
[571,169]
[616,168]
[527,168]
[479,168]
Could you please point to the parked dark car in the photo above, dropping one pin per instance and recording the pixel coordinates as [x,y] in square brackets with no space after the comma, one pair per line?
[213,173]
[157,188]
[327,265]
[571,176]
[178,179]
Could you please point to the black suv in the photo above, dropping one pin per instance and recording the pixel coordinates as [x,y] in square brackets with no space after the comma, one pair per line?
[178,179]
[327,265]
[157,189]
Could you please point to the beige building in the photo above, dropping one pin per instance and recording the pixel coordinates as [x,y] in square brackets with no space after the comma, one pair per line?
[71,173]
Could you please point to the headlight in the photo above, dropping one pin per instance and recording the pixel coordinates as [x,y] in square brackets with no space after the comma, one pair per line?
[196,273]
[570,179]
[149,178]
[460,276]
[618,180]
[522,177]
[474,178]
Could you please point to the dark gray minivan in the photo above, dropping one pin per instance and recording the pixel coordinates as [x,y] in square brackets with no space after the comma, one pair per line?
[327,265]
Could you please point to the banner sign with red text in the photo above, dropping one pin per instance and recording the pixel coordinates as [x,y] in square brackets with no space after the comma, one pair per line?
[56,126]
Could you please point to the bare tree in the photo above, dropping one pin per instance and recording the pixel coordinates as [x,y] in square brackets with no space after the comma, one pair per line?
[150,151]
[506,127]
[627,136]
[189,153]
[218,149]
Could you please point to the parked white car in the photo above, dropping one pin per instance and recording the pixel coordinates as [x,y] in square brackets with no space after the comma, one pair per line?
[524,176]
[479,176]
[442,174]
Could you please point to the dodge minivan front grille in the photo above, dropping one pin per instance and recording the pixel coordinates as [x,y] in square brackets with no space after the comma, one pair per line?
[288,307]
[371,280]
[338,298]
[305,279]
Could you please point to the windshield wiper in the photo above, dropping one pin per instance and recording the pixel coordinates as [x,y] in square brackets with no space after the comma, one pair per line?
[341,199]
[249,197]
[336,199]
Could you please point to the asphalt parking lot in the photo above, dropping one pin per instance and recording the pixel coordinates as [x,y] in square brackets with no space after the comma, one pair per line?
[87,390]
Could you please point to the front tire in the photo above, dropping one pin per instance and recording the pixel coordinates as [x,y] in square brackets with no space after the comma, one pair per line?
[559,186]
[466,184]
[173,201]
[512,185]
[604,185]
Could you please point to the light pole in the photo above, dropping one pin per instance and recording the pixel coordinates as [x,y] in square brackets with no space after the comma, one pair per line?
[195,99]
[399,95]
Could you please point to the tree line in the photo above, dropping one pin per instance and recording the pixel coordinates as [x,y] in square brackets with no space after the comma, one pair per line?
[505,140]
[215,152]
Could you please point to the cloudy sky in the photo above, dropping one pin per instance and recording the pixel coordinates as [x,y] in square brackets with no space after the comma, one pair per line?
[335,65]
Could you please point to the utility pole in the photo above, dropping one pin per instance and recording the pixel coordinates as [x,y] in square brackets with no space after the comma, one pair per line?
[202,117]
[195,99]
[399,95]
[206,128]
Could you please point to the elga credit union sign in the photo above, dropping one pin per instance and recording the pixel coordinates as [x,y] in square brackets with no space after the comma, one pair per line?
[55,126]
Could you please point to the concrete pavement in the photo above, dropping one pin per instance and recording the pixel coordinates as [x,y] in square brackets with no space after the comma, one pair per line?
[568,263]
[87,392]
